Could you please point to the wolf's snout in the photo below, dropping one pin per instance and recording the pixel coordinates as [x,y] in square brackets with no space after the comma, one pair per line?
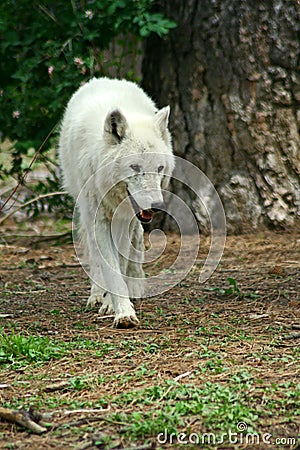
[158,206]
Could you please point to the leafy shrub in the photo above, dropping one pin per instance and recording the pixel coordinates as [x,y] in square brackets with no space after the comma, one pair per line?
[48,49]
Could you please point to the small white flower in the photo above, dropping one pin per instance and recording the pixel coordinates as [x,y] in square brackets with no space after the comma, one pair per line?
[89,14]
[78,61]
[50,70]
[16,114]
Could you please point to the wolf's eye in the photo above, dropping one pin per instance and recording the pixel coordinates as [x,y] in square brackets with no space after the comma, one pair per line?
[160,169]
[136,167]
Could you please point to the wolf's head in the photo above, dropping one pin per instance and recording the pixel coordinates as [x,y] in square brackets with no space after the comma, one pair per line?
[143,156]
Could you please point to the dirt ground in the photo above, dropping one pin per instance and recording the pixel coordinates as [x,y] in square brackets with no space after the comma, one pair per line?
[252,320]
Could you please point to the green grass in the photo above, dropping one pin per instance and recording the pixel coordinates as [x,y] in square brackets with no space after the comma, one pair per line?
[80,383]
[144,403]
[19,349]
[143,413]
[166,406]
[218,407]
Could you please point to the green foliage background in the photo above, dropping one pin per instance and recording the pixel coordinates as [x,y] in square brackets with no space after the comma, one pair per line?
[48,49]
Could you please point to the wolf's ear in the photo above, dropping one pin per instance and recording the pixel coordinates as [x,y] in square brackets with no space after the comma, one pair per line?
[115,127]
[162,119]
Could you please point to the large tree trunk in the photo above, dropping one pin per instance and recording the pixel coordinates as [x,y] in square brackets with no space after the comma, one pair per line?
[230,71]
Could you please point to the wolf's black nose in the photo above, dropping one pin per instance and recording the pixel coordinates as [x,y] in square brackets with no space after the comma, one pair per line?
[159,206]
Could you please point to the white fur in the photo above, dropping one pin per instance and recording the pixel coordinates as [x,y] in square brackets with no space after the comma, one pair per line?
[110,127]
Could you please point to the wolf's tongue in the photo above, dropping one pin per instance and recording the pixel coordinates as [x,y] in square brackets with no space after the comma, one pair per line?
[146,214]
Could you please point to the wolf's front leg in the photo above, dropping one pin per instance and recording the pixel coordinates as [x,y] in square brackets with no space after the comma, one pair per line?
[111,279]
[135,277]
[131,256]
[107,274]
[125,316]
[113,304]
[104,263]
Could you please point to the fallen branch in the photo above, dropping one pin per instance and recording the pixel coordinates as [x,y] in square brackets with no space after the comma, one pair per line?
[292,335]
[33,200]
[182,375]
[71,412]
[23,418]
[84,411]
[84,421]
[38,291]
[40,237]
[21,182]
[43,266]
[57,386]
[85,445]
[91,444]
[140,447]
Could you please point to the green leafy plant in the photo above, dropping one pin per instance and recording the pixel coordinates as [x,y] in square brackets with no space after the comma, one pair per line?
[20,349]
[171,402]
[79,383]
[47,50]
[232,289]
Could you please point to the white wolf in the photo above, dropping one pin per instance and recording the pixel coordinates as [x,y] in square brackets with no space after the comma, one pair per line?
[116,157]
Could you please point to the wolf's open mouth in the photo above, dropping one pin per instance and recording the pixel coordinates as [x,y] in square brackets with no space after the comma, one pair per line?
[144,215]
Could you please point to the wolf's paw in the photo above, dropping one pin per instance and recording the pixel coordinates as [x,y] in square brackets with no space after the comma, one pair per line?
[94,300]
[106,308]
[126,321]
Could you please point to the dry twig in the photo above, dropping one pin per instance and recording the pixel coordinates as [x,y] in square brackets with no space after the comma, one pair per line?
[182,375]
[293,335]
[33,200]
[23,418]
[56,386]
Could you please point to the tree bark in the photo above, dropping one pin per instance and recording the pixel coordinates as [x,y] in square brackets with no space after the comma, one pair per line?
[230,72]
